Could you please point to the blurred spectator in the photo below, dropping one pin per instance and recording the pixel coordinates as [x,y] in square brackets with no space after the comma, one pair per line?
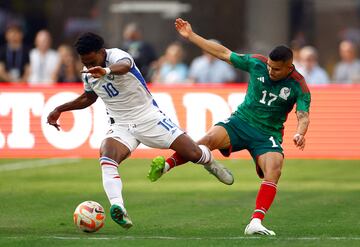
[310,68]
[296,46]
[142,52]
[348,69]
[209,69]
[14,56]
[68,68]
[350,33]
[43,59]
[169,68]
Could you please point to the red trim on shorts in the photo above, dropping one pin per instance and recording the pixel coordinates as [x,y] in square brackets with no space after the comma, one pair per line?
[226,152]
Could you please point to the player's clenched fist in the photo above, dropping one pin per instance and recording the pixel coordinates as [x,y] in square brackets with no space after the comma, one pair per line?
[53,117]
[299,141]
[96,71]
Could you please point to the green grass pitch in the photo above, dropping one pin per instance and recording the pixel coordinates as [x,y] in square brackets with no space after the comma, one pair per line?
[317,204]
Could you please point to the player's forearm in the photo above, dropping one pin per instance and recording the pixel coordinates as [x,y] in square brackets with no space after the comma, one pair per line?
[120,68]
[303,122]
[81,102]
[211,47]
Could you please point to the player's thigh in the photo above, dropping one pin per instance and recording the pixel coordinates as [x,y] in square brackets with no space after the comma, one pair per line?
[216,138]
[158,131]
[118,143]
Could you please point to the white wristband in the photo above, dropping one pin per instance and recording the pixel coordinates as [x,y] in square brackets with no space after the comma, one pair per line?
[107,70]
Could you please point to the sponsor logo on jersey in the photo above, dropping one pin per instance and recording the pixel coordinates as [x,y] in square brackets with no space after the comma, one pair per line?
[284,93]
[262,79]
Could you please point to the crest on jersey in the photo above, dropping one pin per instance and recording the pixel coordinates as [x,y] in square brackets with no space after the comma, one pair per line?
[284,93]
[110,77]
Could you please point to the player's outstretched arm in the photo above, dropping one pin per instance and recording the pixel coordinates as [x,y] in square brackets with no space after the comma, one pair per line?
[303,124]
[81,102]
[121,67]
[217,50]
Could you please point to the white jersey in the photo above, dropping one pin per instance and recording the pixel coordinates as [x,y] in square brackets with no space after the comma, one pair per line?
[126,96]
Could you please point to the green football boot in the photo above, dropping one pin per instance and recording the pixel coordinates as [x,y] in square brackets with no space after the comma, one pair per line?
[120,216]
[156,168]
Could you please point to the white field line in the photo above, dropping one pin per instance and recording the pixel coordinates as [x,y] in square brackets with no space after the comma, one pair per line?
[36,163]
[275,238]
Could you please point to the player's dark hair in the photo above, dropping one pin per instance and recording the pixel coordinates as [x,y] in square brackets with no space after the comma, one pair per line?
[281,53]
[88,42]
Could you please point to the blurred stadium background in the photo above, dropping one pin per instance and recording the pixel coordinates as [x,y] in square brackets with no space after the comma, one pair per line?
[44,174]
[239,24]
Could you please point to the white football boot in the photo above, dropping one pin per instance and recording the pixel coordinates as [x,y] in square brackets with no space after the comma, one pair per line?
[220,172]
[255,227]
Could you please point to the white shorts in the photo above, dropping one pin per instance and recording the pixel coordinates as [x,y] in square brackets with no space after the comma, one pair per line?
[156,131]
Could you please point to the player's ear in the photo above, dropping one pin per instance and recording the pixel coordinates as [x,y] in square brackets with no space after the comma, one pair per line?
[290,65]
[102,51]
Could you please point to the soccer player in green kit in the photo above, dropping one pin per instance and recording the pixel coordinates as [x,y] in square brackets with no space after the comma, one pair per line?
[257,125]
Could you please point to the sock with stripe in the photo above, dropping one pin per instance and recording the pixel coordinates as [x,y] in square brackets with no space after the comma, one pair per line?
[172,161]
[264,199]
[111,181]
[177,160]
[206,155]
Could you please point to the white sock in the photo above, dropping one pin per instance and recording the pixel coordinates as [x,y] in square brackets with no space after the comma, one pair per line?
[206,156]
[111,181]
[166,167]
[255,221]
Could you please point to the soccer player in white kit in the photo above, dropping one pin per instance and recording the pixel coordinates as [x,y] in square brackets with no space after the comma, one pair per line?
[134,118]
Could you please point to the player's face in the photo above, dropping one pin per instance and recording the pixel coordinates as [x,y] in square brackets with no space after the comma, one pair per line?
[93,59]
[278,70]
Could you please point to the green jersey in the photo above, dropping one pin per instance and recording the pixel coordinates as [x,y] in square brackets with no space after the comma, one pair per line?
[267,103]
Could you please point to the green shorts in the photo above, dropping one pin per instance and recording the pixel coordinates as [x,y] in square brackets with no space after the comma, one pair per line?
[244,136]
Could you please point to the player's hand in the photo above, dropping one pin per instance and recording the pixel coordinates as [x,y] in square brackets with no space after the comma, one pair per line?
[95,72]
[299,141]
[183,27]
[53,117]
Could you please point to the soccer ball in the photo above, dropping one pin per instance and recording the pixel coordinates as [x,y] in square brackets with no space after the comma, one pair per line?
[89,216]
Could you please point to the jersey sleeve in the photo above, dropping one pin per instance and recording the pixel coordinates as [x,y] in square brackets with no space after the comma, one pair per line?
[240,61]
[116,55]
[304,98]
[85,79]
[247,62]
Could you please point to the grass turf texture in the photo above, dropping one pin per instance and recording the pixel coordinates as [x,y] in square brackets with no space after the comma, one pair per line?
[316,205]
